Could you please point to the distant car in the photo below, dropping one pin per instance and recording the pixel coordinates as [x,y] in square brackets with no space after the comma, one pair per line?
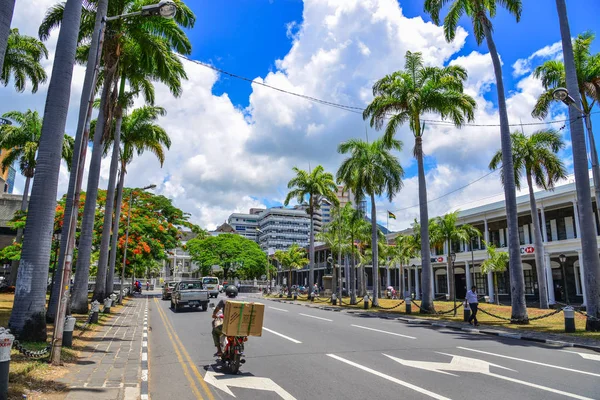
[167,290]
[189,293]
[211,284]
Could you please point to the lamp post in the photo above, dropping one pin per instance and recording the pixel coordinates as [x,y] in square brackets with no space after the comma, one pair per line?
[126,241]
[452,259]
[562,258]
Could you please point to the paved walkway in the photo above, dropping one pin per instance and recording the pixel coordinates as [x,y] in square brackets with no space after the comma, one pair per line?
[110,363]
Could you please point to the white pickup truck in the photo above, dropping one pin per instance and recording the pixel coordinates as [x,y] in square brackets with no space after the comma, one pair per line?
[189,293]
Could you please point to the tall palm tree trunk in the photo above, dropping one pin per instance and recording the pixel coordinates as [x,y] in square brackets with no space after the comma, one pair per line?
[79,302]
[352,272]
[14,267]
[374,251]
[115,233]
[27,319]
[79,152]
[450,270]
[100,289]
[589,246]
[311,250]
[539,246]
[517,281]
[7,8]
[426,273]
[594,157]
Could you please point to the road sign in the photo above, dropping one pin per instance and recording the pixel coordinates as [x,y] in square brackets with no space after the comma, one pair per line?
[224,382]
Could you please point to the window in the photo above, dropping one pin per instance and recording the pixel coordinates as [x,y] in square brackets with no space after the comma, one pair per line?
[442,284]
[480,280]
[529,281]
[522,235]
[502,286]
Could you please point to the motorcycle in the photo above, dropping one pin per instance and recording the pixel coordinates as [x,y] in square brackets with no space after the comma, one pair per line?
[232,348]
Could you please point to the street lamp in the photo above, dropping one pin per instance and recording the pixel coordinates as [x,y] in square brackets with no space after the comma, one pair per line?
[127,239]
[563,259]
[562,94]
[452,259]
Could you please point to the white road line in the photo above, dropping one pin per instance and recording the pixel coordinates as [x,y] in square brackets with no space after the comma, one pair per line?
[278,309]
[283,336]
[587,356]
[390,378]
[312,316]
[389,333]
[533,385]
[530,361]
[144,356]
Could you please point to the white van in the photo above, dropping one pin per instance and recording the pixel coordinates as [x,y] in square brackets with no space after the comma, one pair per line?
[211,284]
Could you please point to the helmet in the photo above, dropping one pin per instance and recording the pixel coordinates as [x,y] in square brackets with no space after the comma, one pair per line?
[231,291]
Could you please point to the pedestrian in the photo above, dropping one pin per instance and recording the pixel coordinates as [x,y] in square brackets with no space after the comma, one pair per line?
[316,289]
[147,286]
[473,303]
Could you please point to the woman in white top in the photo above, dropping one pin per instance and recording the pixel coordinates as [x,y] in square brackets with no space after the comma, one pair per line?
[473,303]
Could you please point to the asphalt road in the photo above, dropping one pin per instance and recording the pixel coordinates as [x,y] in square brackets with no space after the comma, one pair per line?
[313,354]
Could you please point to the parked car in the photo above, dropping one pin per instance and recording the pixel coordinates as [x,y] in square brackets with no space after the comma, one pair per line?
[167,290]
[189,293]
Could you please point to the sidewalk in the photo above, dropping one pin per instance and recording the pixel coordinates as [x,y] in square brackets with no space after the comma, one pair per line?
[109,366]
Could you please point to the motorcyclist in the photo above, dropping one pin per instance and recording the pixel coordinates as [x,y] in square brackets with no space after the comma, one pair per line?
[217,330]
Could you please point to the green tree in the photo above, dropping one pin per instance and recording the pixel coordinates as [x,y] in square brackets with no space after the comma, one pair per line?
[316,185]
[21,141]
[496,262]
[234,253]
[405,96]
[335,236]
[536,156]
[28,319]
[405,249]
[371,170]
[446,231]
[22,61]
[357,228]
[587,69]
[481,12]
[293,258]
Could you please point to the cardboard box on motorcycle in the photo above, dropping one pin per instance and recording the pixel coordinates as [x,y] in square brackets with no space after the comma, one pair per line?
[242,318]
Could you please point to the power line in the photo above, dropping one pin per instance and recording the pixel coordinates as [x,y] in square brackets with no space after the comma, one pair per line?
[452,191]
[359,110]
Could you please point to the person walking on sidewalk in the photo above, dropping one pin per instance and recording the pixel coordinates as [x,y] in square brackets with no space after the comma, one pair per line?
[473,303]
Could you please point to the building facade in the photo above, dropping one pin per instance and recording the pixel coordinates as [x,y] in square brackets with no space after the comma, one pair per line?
[246,225]
[179,263]
[282,227]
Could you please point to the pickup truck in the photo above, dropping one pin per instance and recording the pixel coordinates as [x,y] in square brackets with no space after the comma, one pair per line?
[189,293]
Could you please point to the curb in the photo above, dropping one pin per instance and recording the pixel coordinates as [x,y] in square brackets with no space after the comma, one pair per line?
[417,321]
[144,363]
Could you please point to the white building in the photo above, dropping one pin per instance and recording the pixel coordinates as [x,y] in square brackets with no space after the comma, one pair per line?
[246,225]
[559,220]
[281,227]
[179,263]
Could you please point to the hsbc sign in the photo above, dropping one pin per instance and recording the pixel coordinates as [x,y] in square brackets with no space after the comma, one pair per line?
[527,250]
[438,259]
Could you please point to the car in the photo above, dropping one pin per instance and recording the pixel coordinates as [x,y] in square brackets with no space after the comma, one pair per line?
[211,284]
[167,290]
[189,293]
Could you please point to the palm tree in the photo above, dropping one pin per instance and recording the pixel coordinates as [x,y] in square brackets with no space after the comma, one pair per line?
[536,156]
[336,236]
[447,232]
[494,264]
[139,133]
[317,185]
[552,75]
[28,315]
[7,8]
[21,144]
[406,248]
[371,170]
[293,258]
[152,43]
[403,97]
[22,61]
[355,226]
[481,12]
[589,244]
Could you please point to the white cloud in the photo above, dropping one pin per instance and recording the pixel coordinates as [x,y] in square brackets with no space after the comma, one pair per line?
[224,159]
[523,65]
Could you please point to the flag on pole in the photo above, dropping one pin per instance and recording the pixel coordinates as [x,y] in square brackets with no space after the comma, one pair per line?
[391,215]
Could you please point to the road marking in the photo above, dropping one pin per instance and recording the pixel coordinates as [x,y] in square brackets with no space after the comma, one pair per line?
[312,316]
[283,336]
[144,356]
[223,382]
[178,353]
[190,361]
[278,309]
[529,361]
[390,378]
[377,330]
[594,357]
[473,365]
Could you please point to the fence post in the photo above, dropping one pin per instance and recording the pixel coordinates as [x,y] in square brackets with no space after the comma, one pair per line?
[467,312]
[334,299]
[569,313]
[107,304]
[67,340]
[407,302]
[6,342]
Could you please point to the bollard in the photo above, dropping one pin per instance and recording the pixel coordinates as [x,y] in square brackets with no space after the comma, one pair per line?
[408,306]
[366,302]
[295,296]
[6,342]
[569,319]
[95,309]
[334,299]
[107,304]
[67,340]
[113,299]
[312,297]
[467,312]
